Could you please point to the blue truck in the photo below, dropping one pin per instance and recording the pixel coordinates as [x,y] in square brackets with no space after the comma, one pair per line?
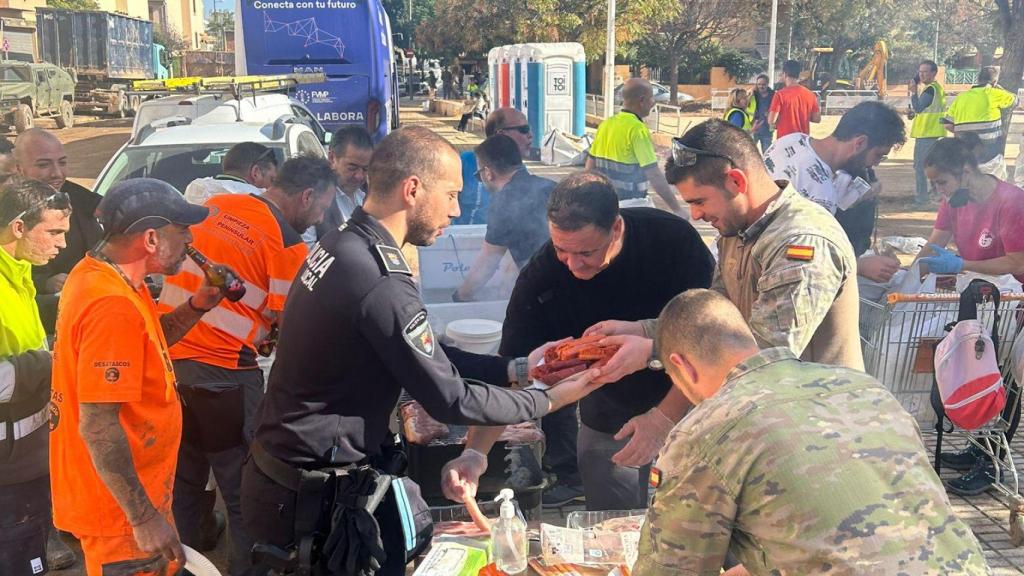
[104,52]
[347,40]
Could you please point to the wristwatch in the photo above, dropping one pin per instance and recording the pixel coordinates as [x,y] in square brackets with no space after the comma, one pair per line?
[655,364]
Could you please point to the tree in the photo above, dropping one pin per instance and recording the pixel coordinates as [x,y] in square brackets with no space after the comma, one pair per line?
[688,27]
[218,24]
[73,4]
[403,23]
[474,27]
[1011,22]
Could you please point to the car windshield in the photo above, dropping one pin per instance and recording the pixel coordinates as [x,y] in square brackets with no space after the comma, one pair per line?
[14,74]
[176,165]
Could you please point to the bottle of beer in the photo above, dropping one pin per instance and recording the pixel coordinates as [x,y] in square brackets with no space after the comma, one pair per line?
[266,346]
[220,276]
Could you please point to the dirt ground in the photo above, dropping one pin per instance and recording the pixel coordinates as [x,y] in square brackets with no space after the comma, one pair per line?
[93,141]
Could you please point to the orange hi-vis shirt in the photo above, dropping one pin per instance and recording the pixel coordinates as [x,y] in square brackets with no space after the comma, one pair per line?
[249,235]
[110,348]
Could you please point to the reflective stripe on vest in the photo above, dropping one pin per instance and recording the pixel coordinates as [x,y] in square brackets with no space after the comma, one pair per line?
[928,123]
[629,180]
[220,318]
[26,425]
[746,117]
[254,297]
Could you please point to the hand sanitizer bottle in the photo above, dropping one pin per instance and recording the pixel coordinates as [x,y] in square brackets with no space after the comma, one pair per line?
[508,536]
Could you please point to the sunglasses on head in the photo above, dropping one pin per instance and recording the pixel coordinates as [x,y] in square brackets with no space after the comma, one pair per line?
[685,156]
[268,154]
[56,201]
[522,129]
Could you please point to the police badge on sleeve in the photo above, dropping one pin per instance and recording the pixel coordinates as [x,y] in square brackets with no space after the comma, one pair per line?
[420,335]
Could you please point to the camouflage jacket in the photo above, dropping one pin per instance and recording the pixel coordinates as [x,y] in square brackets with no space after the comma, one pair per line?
[799,468]
[793,275]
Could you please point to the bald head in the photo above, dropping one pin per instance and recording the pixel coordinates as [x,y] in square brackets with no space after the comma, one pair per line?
[637,96]
[512,123]
[39,155]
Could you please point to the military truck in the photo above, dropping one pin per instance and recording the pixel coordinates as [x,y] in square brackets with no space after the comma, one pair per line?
[29,91]
[104,51]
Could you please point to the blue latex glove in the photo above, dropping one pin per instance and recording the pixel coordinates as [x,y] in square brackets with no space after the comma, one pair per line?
[943,262]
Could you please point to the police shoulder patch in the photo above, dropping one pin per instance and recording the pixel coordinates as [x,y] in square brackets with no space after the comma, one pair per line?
[392,259]
[419,335]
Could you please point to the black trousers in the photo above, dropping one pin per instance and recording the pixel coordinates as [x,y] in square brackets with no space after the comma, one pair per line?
[24,526]
[268,510]
[218,419]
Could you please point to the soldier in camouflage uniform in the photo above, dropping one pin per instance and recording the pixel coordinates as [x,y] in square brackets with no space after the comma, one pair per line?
[783,260]
[792,467]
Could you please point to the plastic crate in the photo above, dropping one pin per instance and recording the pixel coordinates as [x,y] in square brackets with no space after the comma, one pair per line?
[586,519]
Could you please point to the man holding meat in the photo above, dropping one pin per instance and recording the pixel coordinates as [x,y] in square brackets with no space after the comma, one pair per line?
[600,263]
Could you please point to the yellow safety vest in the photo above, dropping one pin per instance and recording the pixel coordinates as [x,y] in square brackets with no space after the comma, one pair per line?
[928,124]
[746,117]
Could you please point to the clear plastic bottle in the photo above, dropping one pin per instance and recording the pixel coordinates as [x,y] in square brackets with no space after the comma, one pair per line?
[510,546]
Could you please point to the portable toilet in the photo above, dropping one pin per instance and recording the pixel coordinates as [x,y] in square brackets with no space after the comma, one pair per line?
[515,77]
[504,96]
[493,58]
[522,59]
[557,89]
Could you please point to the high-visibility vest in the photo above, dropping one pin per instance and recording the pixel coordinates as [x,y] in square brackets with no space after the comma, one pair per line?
[746,117]
[979,110]
[928,123]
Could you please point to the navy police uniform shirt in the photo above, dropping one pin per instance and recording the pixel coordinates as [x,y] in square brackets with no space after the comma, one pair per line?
[354,333]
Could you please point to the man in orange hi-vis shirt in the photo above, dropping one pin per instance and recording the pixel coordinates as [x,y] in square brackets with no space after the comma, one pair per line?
[114,416]
[260,238]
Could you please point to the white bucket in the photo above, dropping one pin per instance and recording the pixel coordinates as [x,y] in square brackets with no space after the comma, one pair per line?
[475,335]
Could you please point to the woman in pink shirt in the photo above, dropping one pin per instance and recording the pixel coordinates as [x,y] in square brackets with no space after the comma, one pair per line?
[983,215]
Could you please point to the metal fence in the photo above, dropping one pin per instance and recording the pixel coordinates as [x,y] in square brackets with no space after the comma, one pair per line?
[961,75]
[842,100]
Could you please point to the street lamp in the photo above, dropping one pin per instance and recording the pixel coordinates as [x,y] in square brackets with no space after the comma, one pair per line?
[771,40]
[609,64]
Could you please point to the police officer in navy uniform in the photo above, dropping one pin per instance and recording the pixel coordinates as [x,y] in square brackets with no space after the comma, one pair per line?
[355,333]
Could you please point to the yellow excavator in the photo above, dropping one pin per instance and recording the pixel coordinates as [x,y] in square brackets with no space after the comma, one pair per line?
[818,75]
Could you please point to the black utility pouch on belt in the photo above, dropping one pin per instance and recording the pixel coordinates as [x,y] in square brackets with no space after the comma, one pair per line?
[338,517]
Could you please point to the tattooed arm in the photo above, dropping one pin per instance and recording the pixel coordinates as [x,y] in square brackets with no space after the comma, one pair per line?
[105,439]
[179,321]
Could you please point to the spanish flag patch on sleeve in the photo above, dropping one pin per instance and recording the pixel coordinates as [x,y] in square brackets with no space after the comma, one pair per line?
[805,253]
[655,477]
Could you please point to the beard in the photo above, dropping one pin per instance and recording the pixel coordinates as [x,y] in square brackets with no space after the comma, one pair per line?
[420,231]
[857,165]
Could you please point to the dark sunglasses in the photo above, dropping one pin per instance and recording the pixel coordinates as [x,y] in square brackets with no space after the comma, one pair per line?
[522,129]
[685,156]
[56,201]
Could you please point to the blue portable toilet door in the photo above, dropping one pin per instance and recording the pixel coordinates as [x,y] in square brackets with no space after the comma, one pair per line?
[558,95]
[523,67]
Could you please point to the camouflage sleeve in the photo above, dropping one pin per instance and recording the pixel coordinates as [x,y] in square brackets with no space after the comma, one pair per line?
[799,282]
[716,282]
[689,523]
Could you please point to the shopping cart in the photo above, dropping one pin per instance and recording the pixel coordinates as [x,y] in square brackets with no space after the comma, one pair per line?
[899,338]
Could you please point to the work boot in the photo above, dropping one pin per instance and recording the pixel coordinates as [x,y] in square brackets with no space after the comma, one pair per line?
[58,555]
[963,460]
[979,479]
[560,495]
[210,529]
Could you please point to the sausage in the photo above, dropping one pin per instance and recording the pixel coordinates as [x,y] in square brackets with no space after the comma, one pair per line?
[474,512]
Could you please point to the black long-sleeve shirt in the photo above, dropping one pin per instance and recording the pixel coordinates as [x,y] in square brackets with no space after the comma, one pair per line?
[662,255]
[354,334]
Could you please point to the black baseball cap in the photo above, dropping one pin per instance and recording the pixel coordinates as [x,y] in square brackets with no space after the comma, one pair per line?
[140,203]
